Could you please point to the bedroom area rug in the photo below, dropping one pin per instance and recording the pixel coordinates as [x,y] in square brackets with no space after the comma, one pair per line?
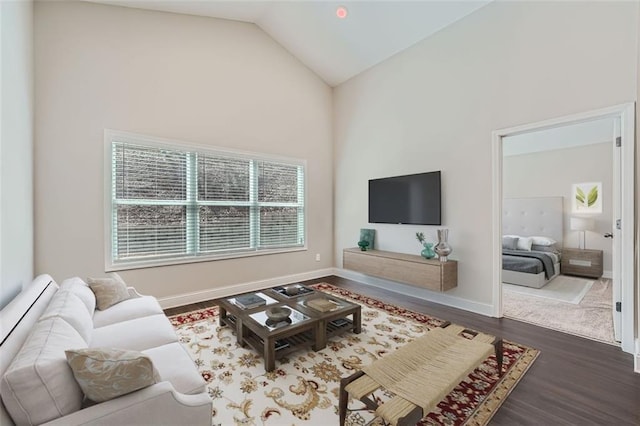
[562,288]
[303,389]
[590,318]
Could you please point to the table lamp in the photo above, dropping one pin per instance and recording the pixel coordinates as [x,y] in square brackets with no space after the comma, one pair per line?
[582,224]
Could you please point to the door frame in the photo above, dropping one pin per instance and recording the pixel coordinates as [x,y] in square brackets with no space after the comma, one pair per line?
[626,114]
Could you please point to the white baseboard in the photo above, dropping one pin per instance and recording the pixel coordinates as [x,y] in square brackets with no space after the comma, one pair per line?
[607,274]
[441,298]
[216,293]
[636,358]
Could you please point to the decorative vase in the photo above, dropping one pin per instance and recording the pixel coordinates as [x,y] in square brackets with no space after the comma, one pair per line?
[427,252]
[443,249]
[363,245]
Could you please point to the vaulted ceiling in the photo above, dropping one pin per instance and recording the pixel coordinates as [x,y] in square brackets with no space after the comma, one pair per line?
[335,49]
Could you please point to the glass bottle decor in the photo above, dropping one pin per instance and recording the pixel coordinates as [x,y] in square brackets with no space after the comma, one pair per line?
[427,251]
[443,249]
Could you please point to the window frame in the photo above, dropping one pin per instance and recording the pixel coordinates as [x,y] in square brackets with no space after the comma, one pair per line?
[111,136]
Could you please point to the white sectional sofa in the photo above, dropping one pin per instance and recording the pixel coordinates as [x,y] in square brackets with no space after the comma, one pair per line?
[38,386]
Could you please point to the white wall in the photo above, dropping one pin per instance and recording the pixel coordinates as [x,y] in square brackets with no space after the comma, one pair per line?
[16,148]
[201,80]
[434,106]
[552,174]
[637,245]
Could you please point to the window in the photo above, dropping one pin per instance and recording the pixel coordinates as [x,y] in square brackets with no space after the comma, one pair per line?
[171,204]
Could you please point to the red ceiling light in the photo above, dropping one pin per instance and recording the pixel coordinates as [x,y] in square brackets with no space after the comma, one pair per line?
[341,12]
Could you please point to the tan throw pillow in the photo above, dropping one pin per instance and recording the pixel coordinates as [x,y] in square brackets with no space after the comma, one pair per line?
[108,291]
[106,373]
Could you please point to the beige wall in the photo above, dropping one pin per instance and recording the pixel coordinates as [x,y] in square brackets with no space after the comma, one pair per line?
[16,148]
[434,106]
[552,174]
[201,80]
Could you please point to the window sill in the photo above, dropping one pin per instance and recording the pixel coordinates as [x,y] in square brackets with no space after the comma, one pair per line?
[109,267]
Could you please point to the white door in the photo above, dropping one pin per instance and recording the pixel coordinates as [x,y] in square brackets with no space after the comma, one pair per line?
[616,249]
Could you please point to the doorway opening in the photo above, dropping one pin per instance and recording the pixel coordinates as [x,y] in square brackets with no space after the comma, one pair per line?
[540,171]
[565,168]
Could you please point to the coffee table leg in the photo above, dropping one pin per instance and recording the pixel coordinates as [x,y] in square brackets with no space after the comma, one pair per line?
[269,354]
[223,315]
[320,338]
[241,333]
[357,321]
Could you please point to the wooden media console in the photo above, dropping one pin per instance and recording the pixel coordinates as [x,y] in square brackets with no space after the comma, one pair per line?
[405,268]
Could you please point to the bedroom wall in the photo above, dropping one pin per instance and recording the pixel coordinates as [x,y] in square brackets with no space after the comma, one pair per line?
[201,80]
[434,106]
[16,148]
[552,174]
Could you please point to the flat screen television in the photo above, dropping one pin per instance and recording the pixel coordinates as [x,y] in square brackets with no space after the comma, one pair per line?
[410,199]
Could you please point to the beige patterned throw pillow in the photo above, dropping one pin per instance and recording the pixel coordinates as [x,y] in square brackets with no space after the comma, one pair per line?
[108,291]
[106,373]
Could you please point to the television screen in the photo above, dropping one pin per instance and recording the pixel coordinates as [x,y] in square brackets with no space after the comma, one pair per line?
[410,199]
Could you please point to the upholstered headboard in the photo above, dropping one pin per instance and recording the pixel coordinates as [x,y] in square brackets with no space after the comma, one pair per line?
[526,217]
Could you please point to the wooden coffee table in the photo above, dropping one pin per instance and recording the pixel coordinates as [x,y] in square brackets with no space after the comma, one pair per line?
[305,327]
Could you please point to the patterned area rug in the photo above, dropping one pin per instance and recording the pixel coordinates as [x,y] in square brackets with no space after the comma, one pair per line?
[303,389]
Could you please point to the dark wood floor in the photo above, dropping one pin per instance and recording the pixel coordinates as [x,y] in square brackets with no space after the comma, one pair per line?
[574,381]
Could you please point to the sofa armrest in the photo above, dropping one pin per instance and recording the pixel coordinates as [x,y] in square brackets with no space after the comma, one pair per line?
[133,292]
[159,404]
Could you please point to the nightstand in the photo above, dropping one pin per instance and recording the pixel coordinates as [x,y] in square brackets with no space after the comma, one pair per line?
[581,262]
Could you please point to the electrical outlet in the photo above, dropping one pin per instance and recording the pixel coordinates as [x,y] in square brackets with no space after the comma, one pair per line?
[317,257]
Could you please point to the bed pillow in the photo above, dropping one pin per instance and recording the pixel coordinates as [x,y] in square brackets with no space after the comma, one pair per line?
[106,373]
[543,241]
[509,243]
[524,243]
[548,249]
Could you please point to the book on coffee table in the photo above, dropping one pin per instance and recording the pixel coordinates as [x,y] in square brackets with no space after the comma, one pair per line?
[322,304]
[248,301]
[340,322]
[280,344]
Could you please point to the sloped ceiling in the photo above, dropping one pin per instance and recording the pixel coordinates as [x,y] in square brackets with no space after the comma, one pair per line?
[335,49]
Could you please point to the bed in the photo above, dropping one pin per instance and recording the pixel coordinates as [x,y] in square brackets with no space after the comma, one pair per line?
[532,233]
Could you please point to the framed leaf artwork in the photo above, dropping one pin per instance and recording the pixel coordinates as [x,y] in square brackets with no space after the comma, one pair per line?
[587,197]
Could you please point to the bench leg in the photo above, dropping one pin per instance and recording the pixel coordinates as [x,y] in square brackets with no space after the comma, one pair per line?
[499,354]
[344,395]
[412,418]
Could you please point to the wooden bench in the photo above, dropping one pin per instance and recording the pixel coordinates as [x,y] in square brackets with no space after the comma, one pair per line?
[419,374]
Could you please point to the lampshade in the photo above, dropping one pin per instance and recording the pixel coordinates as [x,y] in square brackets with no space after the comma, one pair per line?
[582,224]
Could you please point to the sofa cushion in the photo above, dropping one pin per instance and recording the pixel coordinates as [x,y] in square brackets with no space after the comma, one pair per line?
[106,373]
[108,291]
[176,366]
[78,287]
[70,308]
[136,334]
[135,307]
[39,386]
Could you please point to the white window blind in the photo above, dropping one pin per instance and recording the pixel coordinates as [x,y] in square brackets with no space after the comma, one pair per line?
[170,204]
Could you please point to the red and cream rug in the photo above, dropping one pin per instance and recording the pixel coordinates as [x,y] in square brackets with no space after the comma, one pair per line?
[303,389]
